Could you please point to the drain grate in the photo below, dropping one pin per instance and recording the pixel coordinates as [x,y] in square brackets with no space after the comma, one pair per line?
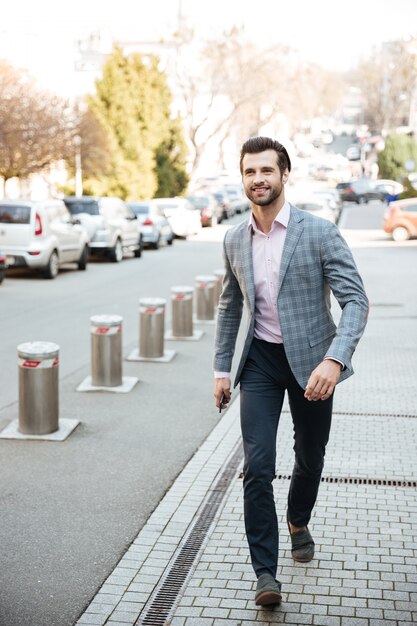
[368,414]
[377,414]
[359,480]
[161,604]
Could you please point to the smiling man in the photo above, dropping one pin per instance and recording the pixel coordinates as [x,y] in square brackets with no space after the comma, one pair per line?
[282,265]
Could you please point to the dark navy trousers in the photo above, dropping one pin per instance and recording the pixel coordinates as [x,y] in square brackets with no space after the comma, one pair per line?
[265,378]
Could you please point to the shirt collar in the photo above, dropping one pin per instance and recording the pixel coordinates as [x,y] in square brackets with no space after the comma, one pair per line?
[282,218]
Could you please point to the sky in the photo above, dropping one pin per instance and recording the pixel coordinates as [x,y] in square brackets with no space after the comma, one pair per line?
[40,34]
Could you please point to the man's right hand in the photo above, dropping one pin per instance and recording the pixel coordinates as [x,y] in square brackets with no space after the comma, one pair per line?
[222,387]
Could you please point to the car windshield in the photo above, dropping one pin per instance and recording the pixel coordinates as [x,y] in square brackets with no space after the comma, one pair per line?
[200,202]
[139,209]
[14,214]
[168,205]
[83,206]
[309,206]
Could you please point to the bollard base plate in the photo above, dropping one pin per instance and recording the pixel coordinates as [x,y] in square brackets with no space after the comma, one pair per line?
[196,336]
[65,428]
[208,322]
[166,358]
[128,382]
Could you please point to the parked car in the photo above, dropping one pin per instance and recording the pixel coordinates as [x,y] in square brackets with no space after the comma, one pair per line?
[316,206]
[400,220]
[332,197]
[184,218]
[390,188]
[155,227]
[211,211]
[41,235]
[223,199]
[360,191]
[3,266]
[237,197]
[111,226]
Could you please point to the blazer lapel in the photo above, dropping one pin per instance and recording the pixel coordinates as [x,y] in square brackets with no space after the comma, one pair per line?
[247,266]
[294,230]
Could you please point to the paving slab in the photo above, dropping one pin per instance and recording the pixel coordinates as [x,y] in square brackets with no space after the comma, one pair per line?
[366,556]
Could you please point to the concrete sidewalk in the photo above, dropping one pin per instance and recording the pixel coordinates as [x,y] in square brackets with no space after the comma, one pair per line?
[189,566]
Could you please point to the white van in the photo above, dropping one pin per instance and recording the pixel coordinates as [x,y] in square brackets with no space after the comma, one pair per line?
[41,235]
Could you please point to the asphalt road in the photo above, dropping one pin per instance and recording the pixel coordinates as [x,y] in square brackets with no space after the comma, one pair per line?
[69,510]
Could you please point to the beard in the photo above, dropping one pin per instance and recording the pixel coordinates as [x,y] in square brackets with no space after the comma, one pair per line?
[268,197]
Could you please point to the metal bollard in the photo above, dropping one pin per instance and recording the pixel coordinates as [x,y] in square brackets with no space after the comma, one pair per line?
[106,350]
[38,387]
[151,327]
[219,274]
[182,311]
[205,297]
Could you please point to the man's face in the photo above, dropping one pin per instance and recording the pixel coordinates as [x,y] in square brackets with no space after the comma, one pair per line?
[262,178]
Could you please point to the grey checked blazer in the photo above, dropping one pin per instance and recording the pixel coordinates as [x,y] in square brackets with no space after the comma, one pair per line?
[315,260]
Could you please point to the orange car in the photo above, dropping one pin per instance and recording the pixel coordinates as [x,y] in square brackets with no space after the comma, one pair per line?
[400,221]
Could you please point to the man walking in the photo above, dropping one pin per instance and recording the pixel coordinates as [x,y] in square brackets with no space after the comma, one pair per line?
[282,266]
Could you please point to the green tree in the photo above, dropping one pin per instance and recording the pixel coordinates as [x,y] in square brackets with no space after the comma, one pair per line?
[398,149]
[409,190]
[132,103]
[170,163]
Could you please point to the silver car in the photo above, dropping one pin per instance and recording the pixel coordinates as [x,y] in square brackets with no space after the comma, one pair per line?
[154,225]
[41,235]
[111,226]
[316,206]
[332,197]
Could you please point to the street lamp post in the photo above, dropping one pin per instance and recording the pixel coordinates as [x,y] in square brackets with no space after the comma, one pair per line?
[78,169]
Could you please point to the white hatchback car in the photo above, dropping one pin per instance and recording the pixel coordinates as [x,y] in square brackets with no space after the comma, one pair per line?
[41,235]
[184,218]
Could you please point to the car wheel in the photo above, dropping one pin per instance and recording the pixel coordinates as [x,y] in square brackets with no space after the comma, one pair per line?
[156,243]
[2,274]
[400,233]
[116,253]
[82,261]
[170,241]
[138,251]
[51,270]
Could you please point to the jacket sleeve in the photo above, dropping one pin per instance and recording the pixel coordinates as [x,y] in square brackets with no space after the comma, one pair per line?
[229,315]
[346,284]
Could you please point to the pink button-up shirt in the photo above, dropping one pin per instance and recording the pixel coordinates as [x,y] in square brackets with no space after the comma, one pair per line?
[266,255]
[266,258]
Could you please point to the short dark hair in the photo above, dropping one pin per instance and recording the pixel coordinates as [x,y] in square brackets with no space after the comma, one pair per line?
[254,145]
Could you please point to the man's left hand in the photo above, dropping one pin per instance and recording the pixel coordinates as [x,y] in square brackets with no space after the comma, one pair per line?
[322,381]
